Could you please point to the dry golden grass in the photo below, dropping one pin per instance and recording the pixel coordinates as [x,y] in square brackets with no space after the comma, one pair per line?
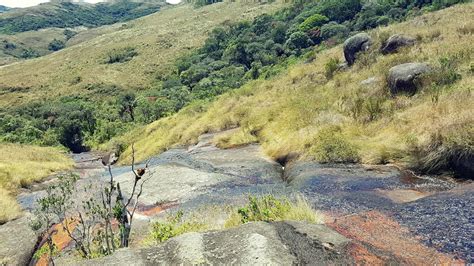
[158,38]
[21,165]
[285,113]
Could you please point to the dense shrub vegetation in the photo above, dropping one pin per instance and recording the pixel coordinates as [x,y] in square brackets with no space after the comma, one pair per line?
[56,45]
[232,55]
[67,14]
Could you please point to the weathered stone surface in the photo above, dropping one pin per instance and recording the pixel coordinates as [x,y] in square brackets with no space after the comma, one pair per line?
[402,78]
[395,42]
[184,174]
[204,175]
[355,44]
[281,243]
[17,242]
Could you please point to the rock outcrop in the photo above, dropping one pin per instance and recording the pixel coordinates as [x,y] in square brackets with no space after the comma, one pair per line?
[395,42]
[355,44]
[279,243]
[402,78]
[17,242]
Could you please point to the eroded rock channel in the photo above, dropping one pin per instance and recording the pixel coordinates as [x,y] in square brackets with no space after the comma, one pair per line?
[374,214]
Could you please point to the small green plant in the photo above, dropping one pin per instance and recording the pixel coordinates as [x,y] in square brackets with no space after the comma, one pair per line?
[366,59]
[173,226]
[45,250]
[330,146]
[269,208]
[373,106]
[331,66]
[447,73]
[120,55]
[266,208]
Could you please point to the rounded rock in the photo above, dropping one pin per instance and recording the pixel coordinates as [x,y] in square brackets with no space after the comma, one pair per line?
[355,44]
[401,78]
[395,42]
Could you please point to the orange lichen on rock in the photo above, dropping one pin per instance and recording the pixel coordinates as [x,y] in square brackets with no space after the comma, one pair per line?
[362,256]
[60,238]
[386,239]
[152,210]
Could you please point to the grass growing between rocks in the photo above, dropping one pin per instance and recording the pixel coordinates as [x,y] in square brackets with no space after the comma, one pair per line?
[292,111]
[262,208]
[21,165]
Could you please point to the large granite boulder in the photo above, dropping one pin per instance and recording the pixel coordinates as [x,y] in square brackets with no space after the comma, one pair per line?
[17,242]
[395,42]
[259,243]
[355,44]
[402,78]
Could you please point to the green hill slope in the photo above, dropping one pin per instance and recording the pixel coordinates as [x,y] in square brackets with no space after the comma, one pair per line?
[157,39]
[65,14]
[342,118]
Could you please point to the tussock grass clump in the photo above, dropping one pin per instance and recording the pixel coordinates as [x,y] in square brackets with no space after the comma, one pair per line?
[20,165]
[235,139]
[259,208]
[448,149]
[268,208]
[331,146]
[9,208]
[175,225]
[120,55]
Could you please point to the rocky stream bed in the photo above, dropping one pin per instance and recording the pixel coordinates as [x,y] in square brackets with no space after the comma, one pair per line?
[374,214]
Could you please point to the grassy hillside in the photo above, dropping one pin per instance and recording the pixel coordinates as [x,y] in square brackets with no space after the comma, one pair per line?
[29,44]
[20,165]
[64,14]
[337,118]
[158,39]
[39,30]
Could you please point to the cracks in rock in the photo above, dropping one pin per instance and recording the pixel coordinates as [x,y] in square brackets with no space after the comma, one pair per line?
[307,250]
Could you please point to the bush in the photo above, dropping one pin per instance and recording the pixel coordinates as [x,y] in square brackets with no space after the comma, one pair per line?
[330,146]
[447,74]
[29,53]
[331,66]
[315,20]
[56,45]
[383,21]
[334,30]
[69,34]
[447,150]
[339,10]
[120,55]
[298,40]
